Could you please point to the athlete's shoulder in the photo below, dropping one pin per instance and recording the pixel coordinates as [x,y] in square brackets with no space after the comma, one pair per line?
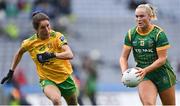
[58,36]
[159,32]
[156,27]
[132,32]
[132,29]
[30,39]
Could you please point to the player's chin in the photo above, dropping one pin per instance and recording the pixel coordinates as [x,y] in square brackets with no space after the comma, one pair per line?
[140,26]
[46,35]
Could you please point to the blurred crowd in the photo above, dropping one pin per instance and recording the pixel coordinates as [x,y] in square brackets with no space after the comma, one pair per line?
[12,12]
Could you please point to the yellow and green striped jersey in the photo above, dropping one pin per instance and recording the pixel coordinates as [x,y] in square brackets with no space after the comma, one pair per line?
[56,70]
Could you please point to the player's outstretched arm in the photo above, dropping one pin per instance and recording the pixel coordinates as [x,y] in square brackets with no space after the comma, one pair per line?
[15,62]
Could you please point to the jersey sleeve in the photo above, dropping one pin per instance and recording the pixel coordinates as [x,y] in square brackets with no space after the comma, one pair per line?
[61,40]
[127,40]
[162,41]
[24,45]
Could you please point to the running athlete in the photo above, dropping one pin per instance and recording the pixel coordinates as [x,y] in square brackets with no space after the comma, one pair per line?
[51,54]
[149,45]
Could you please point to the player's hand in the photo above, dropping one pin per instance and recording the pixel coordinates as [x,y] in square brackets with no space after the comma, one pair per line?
[44,57]
[8,78]
[141,72]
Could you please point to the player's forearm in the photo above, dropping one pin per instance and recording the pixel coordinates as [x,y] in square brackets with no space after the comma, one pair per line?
[124,58]
[64,55]
[158,63]
[16,60]
[123,64]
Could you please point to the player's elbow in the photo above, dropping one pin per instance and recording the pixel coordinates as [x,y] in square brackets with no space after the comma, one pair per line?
[70,56]
[121,60]
[163,60]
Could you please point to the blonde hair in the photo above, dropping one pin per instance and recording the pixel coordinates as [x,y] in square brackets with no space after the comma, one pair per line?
[151,10]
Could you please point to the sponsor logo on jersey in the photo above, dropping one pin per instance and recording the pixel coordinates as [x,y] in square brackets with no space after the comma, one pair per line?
[144,50]
[62,38]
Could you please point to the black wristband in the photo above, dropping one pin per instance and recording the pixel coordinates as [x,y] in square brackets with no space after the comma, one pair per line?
[11,70]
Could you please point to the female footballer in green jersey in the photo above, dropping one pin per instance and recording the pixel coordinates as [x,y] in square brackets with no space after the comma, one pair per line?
[51,54]
[149,45]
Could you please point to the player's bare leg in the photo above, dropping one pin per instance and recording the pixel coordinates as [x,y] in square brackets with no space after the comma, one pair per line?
[53,93]
[147,92]
[71,100]
[168,96]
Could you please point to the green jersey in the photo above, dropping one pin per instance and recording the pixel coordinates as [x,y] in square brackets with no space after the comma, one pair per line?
[145,46]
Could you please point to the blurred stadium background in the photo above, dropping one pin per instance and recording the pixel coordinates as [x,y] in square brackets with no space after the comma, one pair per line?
[95,30]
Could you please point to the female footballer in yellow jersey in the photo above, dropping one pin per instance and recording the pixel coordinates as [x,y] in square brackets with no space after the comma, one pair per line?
[51,54]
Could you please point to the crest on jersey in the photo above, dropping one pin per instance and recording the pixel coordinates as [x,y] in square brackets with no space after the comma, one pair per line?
[141,42]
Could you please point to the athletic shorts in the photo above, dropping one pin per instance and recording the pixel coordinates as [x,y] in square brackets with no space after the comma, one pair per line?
[162,78]
[66,88]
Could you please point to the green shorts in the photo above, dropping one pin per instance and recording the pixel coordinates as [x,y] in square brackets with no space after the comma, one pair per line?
[162,78]
[66,88]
